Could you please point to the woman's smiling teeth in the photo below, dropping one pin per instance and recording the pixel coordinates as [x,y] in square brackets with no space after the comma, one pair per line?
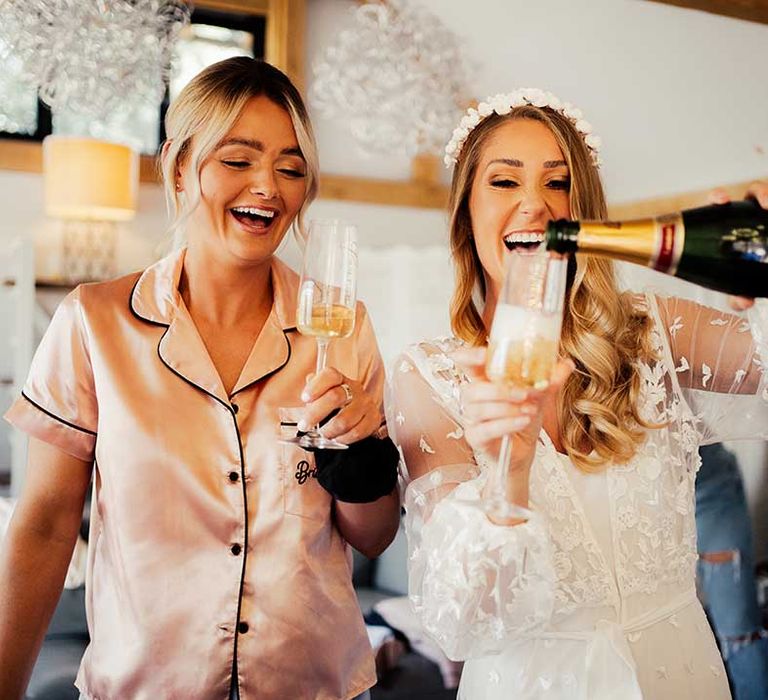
[523,239]
[254,217]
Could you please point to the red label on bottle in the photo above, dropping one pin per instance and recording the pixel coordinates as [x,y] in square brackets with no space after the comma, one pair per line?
[666,254]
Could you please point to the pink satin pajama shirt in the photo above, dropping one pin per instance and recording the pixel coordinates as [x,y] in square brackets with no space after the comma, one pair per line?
[209,539]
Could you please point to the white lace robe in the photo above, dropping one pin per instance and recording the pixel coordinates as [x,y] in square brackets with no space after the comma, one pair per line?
[594,596]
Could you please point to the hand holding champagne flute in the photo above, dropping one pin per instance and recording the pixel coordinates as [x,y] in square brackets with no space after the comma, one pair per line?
[327,297]
[523,350]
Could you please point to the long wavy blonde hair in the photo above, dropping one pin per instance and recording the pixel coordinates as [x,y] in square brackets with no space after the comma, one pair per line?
[604,332]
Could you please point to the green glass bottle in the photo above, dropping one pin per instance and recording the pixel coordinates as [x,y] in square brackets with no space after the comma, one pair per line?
[721,246]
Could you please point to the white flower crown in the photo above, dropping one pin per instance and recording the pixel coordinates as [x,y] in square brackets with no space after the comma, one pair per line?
[504,103]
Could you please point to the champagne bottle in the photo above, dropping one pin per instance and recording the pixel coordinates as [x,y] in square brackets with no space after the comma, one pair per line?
[722,246]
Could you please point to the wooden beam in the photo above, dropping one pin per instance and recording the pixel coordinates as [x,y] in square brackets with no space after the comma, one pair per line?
[26,156]
[403,193]
[149,171]
[669,203]
[750,10]
[243,7]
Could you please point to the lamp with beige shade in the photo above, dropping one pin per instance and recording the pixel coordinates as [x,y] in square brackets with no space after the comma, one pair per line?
[90,185]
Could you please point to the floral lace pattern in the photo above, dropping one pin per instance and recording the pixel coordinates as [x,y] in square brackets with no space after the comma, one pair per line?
[464,556]
[457,561]
[652,497]
[582,575]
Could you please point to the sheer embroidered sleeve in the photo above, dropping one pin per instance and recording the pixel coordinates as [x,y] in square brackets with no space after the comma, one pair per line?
[719,361]
[474,585]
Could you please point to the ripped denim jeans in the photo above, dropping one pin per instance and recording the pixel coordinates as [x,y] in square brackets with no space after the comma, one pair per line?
[726,578]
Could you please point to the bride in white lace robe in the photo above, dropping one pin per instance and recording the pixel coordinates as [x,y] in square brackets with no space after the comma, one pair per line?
[593,597]
[597,588]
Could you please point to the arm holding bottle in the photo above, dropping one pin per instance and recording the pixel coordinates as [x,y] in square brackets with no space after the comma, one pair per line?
[758,190]
[720,358]
[34,557]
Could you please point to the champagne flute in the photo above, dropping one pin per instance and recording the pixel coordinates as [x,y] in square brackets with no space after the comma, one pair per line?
[523,347]
[327,295]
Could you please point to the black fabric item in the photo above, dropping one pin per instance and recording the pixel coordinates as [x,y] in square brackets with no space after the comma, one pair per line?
[361,474]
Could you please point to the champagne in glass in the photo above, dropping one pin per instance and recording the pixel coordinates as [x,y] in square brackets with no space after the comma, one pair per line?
[327,295]
[325,321]
[523,347]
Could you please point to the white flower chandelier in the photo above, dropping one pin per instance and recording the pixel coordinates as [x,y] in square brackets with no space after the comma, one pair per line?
[93,56]
[396,77]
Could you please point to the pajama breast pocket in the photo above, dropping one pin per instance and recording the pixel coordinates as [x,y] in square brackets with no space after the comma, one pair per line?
[302,494]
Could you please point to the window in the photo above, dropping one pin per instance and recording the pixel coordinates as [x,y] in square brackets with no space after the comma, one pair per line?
[22,115]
